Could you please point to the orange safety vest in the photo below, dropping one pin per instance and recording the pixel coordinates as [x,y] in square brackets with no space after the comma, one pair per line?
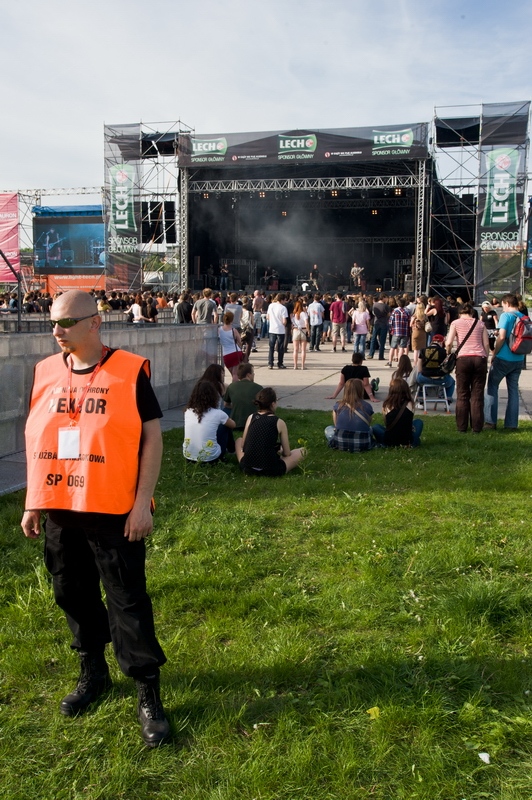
[104,478]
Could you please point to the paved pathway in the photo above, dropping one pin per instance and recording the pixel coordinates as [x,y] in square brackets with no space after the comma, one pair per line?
[300,389]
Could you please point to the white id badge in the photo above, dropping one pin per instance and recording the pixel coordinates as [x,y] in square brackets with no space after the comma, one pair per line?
[68,445]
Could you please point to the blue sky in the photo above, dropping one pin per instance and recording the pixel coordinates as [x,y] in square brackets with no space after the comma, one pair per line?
[240,65]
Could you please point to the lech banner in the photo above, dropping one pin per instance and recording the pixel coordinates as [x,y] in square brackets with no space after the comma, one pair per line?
[122,206]
[343,145]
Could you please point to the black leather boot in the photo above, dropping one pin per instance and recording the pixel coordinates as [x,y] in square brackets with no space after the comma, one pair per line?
[154,725]
[94,680]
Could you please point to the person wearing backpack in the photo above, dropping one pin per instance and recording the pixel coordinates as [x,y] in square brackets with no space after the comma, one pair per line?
[505,364]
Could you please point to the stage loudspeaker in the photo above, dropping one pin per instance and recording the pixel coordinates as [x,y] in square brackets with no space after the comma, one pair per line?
[157,222]
[145,228]
[169,222]
[197,262]
[197,284]
[409,285]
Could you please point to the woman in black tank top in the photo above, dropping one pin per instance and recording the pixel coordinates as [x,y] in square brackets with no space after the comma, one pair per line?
[264,448]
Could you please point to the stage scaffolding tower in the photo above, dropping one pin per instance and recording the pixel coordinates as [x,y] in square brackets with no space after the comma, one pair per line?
[461,137]
[453,206]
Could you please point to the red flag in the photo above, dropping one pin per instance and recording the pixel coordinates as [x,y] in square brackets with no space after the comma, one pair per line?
[9,239]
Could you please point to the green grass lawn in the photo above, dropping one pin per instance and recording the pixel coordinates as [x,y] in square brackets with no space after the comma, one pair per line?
[357,629]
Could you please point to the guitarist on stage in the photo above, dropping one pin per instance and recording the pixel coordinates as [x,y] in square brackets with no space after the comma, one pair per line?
[52,246]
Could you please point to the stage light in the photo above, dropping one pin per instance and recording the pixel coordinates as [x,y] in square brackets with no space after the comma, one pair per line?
[334,193]
[398,191]
[320,195]
[251,195]
[312,194]
[205,195]
[374,212]
[386,192]
[286,195]
[262,194]
[284,213]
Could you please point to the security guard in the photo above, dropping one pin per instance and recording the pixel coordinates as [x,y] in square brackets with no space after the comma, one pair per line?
[94,446]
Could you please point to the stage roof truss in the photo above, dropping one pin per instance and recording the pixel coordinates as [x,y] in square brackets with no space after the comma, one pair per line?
[269,202]
[342,239]
[306,184]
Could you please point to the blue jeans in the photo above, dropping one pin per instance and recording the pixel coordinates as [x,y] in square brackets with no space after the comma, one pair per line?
[448,381]
[503,369]
[360,343]
[380,332]
[276,338]
[315,336]
[417,428]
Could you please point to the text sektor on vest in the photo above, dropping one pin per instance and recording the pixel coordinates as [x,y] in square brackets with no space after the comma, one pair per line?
[63,405]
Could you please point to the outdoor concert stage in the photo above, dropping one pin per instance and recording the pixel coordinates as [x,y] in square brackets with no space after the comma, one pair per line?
[291,230]
[288,201]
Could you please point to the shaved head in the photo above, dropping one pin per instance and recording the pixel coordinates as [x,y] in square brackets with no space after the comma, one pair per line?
[74,304]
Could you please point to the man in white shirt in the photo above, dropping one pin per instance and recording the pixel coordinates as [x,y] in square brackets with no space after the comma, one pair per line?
[315,315]
[277,319]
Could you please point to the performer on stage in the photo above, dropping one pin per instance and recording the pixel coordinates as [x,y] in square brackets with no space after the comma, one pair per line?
[266,277]
[356,272]
[315,277]
[224,274]
[52,246]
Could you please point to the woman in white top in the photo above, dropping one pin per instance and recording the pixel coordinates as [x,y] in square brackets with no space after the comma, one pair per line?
[206,426]
[231,344]
[360,321]
[471,367]
[300,329]
[137,311]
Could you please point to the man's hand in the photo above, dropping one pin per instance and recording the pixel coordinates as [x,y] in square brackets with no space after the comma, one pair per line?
[31,524]
[139,524]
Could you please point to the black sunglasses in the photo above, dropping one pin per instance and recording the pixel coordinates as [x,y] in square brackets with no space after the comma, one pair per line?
[68,322]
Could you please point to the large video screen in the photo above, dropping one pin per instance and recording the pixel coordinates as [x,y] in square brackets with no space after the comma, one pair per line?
[68,245]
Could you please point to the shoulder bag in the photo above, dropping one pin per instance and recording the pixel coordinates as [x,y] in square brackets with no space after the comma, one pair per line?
[448,365]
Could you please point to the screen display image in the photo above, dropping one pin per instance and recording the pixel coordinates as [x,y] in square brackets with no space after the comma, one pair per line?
[68,245]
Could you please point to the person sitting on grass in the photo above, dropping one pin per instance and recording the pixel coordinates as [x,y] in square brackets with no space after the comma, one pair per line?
[351,430]
[206,426]
[258,450]
[406,371]
[239,397]
[357,370]
[215,374]
[401,430]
